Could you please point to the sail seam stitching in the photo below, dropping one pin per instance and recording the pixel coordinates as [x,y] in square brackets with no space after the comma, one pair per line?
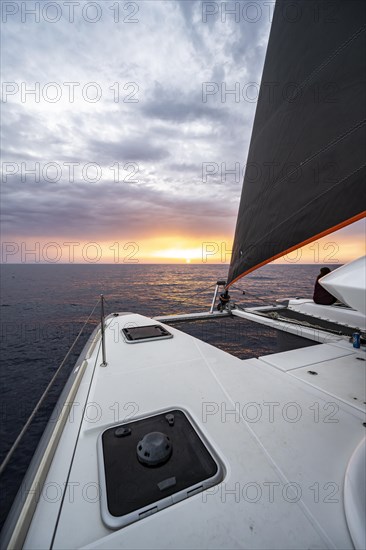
[315,199]
[345,44]
[322,150]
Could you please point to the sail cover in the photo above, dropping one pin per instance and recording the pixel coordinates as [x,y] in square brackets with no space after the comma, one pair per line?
[305,174]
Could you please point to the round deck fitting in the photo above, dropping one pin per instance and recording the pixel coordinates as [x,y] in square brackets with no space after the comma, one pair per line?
[154,448]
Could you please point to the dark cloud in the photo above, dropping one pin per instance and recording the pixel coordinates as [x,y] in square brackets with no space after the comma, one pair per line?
[169,132]
[169,104]
[103,211]
[184,167]
[192,15]
[127,149]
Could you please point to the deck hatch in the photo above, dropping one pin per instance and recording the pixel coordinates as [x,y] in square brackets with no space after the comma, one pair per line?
[145,333]
[133,487]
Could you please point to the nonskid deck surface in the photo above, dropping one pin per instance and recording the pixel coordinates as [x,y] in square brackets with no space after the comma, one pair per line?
[283,436]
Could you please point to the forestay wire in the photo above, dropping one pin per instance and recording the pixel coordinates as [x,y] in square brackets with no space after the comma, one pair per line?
[43,396]
[249,293]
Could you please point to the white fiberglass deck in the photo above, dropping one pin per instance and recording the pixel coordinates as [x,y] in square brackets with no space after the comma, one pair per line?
[284,437]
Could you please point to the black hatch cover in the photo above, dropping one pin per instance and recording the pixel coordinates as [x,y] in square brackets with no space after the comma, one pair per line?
[148,461]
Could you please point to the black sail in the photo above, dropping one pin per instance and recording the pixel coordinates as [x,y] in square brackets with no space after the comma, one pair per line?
[305,174]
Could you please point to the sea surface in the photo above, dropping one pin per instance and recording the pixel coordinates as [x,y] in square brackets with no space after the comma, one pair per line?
[43,308]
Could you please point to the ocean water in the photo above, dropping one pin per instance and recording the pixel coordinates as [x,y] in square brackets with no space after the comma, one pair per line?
[43,308]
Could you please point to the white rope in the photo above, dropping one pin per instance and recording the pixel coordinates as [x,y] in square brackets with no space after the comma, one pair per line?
[36,408]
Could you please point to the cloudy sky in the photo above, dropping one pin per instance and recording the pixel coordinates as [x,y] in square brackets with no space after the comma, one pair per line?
[122,135]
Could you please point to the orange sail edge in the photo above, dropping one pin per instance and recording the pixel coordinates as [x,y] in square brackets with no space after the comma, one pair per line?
[303,243]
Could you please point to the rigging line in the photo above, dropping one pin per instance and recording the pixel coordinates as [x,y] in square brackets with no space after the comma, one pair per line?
[207,289]
[246,291]
[278,317]
[281,318]
[203,290]
[74,450]
[42,398]
[265,300]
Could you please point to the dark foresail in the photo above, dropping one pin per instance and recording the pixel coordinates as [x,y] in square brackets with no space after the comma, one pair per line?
[305,174]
